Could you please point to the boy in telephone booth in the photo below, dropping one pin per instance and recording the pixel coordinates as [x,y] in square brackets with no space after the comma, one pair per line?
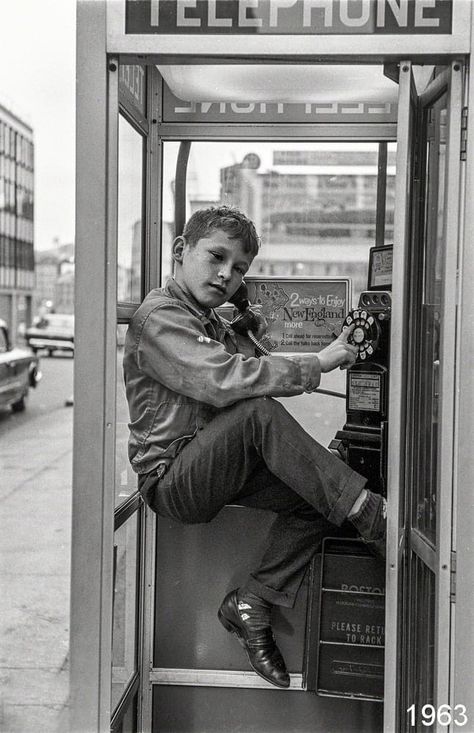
[206,432]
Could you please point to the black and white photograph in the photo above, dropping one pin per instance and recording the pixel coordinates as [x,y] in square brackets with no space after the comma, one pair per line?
[236,381]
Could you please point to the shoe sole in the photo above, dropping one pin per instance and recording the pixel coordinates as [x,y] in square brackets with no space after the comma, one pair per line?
[232,629]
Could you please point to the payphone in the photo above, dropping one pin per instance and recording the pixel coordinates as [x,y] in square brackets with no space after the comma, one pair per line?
[351,625]
[363,439]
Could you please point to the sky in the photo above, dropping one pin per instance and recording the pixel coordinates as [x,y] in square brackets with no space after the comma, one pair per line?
[37,82]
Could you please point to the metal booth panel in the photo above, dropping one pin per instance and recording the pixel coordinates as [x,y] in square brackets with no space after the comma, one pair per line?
[463,510]
[214,710]
[196,565]
[195,658]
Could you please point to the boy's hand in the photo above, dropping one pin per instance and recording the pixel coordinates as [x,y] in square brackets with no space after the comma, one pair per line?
[339,353]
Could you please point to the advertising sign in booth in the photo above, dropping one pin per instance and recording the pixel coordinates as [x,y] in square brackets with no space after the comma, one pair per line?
[303,314]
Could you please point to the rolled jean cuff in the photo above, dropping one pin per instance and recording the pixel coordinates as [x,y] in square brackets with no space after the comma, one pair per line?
[351,490]
[275,597]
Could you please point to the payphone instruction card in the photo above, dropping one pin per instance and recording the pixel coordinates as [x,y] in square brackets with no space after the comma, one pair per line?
[303,314]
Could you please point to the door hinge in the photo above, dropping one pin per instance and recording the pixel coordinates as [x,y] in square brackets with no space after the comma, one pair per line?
[452,592]
[464,113]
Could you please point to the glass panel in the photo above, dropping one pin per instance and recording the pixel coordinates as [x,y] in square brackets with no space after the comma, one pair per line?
[314,206]
[124,633]
[422,643]
[128,723]
[125,478]
[431,322]
[130,208]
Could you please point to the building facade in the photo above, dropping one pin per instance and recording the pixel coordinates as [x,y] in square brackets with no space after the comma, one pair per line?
[64,287]
[314,209]
[16,221]
[54,279]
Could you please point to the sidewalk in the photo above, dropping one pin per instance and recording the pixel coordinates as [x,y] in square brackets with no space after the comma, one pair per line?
[35,511]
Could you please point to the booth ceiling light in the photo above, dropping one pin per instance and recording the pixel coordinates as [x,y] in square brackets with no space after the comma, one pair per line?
[279,83]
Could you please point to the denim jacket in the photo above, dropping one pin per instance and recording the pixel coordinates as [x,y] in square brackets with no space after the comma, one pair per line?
[183,363]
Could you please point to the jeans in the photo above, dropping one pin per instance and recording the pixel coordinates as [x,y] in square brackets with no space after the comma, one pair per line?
[256,454]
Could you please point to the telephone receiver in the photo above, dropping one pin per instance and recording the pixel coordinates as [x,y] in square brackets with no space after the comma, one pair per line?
[245,320]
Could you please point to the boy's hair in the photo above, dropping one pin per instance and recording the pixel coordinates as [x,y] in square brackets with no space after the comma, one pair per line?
[232,221]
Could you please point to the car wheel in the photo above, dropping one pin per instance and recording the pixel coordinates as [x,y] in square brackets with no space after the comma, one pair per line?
[19,405]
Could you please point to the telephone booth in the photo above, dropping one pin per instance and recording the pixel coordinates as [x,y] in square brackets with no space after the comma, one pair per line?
[342,128]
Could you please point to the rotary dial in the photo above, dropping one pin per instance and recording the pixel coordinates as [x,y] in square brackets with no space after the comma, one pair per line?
[365,334]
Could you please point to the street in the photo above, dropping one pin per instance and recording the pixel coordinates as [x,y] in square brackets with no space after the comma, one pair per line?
[35,509]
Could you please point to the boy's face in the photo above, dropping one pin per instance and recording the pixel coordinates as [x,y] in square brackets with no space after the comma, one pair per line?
[212,269]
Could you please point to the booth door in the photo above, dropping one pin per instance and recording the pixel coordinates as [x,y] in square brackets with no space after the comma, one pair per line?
[137,256]
[116,256]
[431,394]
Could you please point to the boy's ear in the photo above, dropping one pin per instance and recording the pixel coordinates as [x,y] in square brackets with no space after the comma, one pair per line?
[177,249]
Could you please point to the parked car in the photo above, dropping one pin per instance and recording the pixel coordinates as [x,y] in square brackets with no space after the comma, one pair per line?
[53,331]
[19,370]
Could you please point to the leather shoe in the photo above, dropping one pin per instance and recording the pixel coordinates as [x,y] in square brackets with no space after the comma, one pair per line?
[263,654]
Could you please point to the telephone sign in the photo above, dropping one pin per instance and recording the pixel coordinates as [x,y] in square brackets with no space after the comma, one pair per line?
[357,110]
[289,17]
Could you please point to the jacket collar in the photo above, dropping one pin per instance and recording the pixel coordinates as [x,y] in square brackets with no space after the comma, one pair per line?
[206,315]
